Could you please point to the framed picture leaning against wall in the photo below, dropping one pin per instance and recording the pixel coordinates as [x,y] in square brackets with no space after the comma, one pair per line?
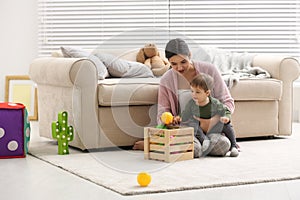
[20,89]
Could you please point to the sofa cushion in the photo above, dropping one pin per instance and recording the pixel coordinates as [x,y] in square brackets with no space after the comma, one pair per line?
[257,89]
[127,91]
[143,91]
[72,52]
[122,68]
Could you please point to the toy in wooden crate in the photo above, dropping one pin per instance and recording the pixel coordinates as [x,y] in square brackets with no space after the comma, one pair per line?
[14,130]
[169,145]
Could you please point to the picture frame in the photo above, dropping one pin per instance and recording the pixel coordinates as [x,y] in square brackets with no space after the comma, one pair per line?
[20,89]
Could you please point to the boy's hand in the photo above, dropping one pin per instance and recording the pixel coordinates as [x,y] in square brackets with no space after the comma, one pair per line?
[176,120]
[224,120]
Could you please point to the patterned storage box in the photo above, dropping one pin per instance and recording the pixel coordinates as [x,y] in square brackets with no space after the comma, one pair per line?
[14,130]
[169,145]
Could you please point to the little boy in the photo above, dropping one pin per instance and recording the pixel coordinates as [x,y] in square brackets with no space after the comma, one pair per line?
[203,105]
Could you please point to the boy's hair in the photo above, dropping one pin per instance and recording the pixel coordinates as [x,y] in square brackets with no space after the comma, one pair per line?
[204,81]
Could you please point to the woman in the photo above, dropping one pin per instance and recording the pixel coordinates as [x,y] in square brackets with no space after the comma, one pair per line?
[178,78]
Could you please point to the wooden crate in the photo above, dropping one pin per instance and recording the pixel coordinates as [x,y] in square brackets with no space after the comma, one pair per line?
[169,145]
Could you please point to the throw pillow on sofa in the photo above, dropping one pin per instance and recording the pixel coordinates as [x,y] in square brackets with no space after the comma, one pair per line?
[121,68]
[71,52]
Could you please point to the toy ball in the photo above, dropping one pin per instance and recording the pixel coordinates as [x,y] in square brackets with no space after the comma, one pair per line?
[167,118]
[143,179]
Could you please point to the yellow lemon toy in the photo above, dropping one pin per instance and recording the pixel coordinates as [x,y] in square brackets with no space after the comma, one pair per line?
[143,179]
[166,118]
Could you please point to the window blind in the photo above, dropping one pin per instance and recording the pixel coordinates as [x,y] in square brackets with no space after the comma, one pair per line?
[266,26]
[106,23]
[258,26]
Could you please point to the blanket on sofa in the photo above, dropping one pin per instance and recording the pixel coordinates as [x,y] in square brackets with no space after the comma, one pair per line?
[233,66]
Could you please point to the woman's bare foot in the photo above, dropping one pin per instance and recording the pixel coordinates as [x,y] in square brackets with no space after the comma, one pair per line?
[138,145]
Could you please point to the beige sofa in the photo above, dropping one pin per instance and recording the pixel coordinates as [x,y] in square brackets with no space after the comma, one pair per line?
[113,112]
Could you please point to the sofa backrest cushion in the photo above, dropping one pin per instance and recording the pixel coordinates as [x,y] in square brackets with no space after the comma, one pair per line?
[72,52]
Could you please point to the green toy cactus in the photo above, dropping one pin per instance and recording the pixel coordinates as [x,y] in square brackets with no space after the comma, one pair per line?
[62,132]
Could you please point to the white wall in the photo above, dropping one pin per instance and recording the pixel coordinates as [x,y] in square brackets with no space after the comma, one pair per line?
[18,38]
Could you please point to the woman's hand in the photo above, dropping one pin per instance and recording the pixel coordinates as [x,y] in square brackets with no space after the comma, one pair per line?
[207,124]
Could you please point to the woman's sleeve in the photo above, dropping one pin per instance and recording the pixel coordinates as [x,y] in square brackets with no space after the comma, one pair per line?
[167,99]
[163,103]
[220,90]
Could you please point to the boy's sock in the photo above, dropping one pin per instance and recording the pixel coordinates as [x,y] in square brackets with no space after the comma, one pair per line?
[234,152]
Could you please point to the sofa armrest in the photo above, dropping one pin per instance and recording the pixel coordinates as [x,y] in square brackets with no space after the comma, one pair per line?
[280,67]
[286,69]
[55,71]
[68,84]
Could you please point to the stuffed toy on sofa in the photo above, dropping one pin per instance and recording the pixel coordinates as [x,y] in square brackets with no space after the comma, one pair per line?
[149,55]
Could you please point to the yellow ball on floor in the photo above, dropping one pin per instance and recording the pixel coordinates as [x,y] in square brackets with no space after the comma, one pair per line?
[143,179]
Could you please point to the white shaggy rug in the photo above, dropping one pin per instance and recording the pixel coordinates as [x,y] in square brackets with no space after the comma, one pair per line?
[264,160]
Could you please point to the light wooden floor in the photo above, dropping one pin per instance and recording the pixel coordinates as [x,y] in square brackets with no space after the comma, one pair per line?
[30,178]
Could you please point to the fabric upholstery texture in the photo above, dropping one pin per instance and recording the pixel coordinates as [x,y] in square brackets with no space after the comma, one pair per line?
[263,89]
[133,91]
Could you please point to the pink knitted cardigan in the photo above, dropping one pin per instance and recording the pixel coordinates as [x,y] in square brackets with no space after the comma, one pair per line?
[168,89]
